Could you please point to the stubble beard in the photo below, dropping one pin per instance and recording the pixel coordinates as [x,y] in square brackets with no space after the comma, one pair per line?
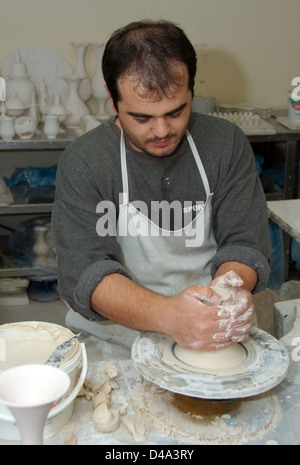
[144,147]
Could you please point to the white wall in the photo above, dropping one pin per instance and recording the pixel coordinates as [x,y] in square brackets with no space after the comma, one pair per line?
[248,50]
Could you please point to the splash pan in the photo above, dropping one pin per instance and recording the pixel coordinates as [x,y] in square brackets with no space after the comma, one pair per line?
[263,366]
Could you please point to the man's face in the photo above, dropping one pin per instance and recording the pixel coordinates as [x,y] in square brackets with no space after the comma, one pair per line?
[152,125]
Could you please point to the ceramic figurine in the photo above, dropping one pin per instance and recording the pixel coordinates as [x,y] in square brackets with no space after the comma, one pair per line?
[25,127]
[98,85]
[85,87]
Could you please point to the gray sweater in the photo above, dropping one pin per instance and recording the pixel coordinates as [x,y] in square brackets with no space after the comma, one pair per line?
[89,172]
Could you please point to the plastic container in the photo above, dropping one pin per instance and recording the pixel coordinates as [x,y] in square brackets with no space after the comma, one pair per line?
[46,336]
[293,109]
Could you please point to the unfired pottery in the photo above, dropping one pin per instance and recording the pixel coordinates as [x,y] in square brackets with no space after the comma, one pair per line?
[51,126]
[85,87]
[58,109]
[98,84]
[19,81]
[14,105]
[7,128]
[25,127]
[73,104]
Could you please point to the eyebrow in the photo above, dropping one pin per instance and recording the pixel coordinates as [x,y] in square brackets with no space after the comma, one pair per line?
[170,113]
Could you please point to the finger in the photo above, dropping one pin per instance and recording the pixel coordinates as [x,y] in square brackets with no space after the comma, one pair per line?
[217,346]
[241,320]
[242,302]
[240,331]
[222,337]
[206,295]
[240,338]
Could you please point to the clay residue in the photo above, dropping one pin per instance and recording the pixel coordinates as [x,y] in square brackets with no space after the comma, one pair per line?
[105,418]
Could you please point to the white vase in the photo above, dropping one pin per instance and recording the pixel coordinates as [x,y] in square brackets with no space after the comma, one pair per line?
[44,99]
[57,109]
[85,88]
[73,104]
[20,82]
[15,106]
[7,128]
[51,127]
[98,84]
[43,250]
[34,111]
[25,127]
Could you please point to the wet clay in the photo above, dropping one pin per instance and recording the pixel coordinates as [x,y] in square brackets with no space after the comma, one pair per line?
[217,360]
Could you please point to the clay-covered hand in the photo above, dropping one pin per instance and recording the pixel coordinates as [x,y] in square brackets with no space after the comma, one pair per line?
[241,320]
[197,321]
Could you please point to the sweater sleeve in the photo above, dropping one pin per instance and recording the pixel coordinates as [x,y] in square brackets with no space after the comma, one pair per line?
[84,257]
[240,216]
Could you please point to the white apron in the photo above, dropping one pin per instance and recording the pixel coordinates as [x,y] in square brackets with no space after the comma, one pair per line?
[166,261]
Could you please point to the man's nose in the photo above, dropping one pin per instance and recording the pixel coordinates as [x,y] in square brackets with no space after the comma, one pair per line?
[161,128]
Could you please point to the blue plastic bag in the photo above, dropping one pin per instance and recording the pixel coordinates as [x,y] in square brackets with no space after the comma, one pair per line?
[34,177]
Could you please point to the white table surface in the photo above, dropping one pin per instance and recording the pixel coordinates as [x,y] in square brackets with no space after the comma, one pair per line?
[286,214]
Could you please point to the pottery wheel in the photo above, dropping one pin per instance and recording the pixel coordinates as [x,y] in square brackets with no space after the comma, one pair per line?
[261,364]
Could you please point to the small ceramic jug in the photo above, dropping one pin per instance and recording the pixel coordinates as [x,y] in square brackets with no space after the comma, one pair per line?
[7,128]
[51,127]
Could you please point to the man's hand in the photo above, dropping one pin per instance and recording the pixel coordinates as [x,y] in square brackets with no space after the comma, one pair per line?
[200,322]
[241,320]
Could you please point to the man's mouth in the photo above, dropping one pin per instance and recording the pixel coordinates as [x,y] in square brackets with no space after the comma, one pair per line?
[161,142]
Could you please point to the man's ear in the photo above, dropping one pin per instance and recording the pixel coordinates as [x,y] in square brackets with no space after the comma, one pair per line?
[110,98]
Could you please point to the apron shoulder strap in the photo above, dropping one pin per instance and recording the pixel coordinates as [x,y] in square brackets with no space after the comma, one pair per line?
[124,170]
[199,163]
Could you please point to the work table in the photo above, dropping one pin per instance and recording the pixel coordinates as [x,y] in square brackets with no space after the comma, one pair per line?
[283,429]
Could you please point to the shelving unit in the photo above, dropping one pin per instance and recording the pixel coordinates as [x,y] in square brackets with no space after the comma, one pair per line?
[50,147]
[40,143]
[290,139]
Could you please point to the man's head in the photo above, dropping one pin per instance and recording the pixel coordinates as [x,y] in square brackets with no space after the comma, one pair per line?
[149,69]
[149,50]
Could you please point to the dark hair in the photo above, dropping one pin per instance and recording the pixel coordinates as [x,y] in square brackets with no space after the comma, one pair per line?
[151,51]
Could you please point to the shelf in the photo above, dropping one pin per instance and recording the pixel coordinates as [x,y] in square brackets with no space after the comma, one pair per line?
[39,142]
[28,272]
[26,209]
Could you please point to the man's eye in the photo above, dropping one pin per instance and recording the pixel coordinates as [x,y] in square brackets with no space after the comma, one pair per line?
[141,120]
[176,115]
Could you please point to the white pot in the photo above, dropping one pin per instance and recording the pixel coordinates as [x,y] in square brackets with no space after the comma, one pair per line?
[51,127]
[25,127]
[7,129]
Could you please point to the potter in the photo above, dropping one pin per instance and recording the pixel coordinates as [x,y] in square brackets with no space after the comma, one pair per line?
[156,149]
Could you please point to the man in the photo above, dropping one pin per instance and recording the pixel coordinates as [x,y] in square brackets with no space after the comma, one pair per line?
[126,252]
